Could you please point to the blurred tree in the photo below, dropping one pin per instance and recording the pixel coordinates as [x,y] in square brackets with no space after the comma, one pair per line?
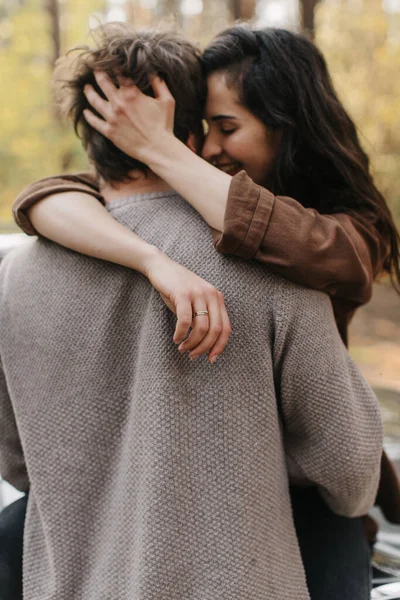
[168,9]
[242,10]
[52,8]
[307,15]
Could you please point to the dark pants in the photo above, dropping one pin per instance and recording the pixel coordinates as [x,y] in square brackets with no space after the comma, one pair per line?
[12,520]
[335,552]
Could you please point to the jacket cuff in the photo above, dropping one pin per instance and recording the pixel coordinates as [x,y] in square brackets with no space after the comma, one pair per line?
[247,216]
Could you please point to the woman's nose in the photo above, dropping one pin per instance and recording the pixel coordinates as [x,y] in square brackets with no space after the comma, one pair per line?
[211,148]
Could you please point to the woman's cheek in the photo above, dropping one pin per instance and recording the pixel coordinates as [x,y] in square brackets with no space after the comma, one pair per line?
[238,147]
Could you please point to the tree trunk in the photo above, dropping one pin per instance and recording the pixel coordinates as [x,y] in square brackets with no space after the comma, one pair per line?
[242,10]
[170,8]
[52,9]
[307,12]
[51,6]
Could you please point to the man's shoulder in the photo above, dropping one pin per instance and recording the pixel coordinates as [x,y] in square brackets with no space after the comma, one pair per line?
[297,307]
[39,261]
[9,241]
[14,248]
[26,248]
[297,293]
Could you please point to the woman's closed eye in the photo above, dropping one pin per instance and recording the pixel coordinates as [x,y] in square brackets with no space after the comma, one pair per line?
[227,130]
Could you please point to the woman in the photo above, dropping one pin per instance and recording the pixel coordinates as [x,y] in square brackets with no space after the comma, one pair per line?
[292,190]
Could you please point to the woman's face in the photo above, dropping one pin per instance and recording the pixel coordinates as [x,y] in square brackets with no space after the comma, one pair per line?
[236,139]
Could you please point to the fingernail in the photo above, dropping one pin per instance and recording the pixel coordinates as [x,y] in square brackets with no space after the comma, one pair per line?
[213,359]
[193,357]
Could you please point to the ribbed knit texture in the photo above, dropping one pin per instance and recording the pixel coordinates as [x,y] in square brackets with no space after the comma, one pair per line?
[154,477]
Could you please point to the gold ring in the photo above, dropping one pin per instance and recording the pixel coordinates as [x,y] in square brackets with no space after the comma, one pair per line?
[200,312]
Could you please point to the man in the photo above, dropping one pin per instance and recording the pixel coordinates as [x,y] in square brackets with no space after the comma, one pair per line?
[151,476]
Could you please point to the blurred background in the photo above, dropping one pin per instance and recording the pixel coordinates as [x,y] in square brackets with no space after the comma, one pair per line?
[361,42]
[360,39]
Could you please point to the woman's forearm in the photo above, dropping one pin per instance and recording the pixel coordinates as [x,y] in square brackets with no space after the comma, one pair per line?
[204,186]
[79,222]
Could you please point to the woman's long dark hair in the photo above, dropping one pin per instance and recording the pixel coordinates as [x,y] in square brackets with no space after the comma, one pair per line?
[282,78]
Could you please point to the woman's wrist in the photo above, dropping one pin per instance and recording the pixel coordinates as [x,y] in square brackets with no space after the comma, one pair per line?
[162,151]
[149,259]
[204,186]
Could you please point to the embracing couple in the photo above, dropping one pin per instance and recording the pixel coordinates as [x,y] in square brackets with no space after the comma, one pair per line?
[152,476]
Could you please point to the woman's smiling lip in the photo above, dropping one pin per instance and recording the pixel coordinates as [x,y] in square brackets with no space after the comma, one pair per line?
[229,167]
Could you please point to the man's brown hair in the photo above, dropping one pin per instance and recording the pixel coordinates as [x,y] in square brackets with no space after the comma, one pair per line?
[123,52]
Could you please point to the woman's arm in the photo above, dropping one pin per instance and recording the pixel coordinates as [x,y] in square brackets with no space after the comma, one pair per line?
[204,186]
[338,254]
[77,220]
[81,182]
[68,209]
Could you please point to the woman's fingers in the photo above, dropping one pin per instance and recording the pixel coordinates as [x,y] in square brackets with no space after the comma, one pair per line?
[160,88]
[209,331]
[106,85]
[214,330]
[134,120]
[184,315]
[103,107]
[163,95]
[186,294]
[222,340]
[99,124]
[118,99]
[200,326]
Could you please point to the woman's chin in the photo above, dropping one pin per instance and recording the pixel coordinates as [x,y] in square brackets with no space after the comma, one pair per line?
[231,170]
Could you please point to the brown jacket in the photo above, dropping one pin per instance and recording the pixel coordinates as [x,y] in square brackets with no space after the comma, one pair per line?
[338,254]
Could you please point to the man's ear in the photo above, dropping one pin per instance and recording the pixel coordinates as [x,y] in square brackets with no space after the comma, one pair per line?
[194,142]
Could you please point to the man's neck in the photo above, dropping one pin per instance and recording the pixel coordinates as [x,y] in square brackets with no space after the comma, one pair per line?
[139,184]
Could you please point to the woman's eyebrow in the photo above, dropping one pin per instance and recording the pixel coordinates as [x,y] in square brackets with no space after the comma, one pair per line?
[219,117]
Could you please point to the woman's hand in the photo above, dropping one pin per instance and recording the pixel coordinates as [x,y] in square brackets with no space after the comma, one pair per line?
[185,293]
[133,121]
[142,127]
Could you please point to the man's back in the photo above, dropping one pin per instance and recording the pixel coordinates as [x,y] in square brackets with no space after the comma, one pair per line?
[153,477]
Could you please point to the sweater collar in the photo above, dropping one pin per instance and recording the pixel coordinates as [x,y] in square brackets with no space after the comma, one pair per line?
[139,198]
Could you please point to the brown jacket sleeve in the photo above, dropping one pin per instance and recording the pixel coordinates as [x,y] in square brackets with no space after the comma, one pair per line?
[338,254]
[82,182]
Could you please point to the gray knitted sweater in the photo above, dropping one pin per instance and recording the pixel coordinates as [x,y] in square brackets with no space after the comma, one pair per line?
[153,477]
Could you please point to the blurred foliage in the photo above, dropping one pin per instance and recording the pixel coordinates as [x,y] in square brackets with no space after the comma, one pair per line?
[33,143]
[361,43]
